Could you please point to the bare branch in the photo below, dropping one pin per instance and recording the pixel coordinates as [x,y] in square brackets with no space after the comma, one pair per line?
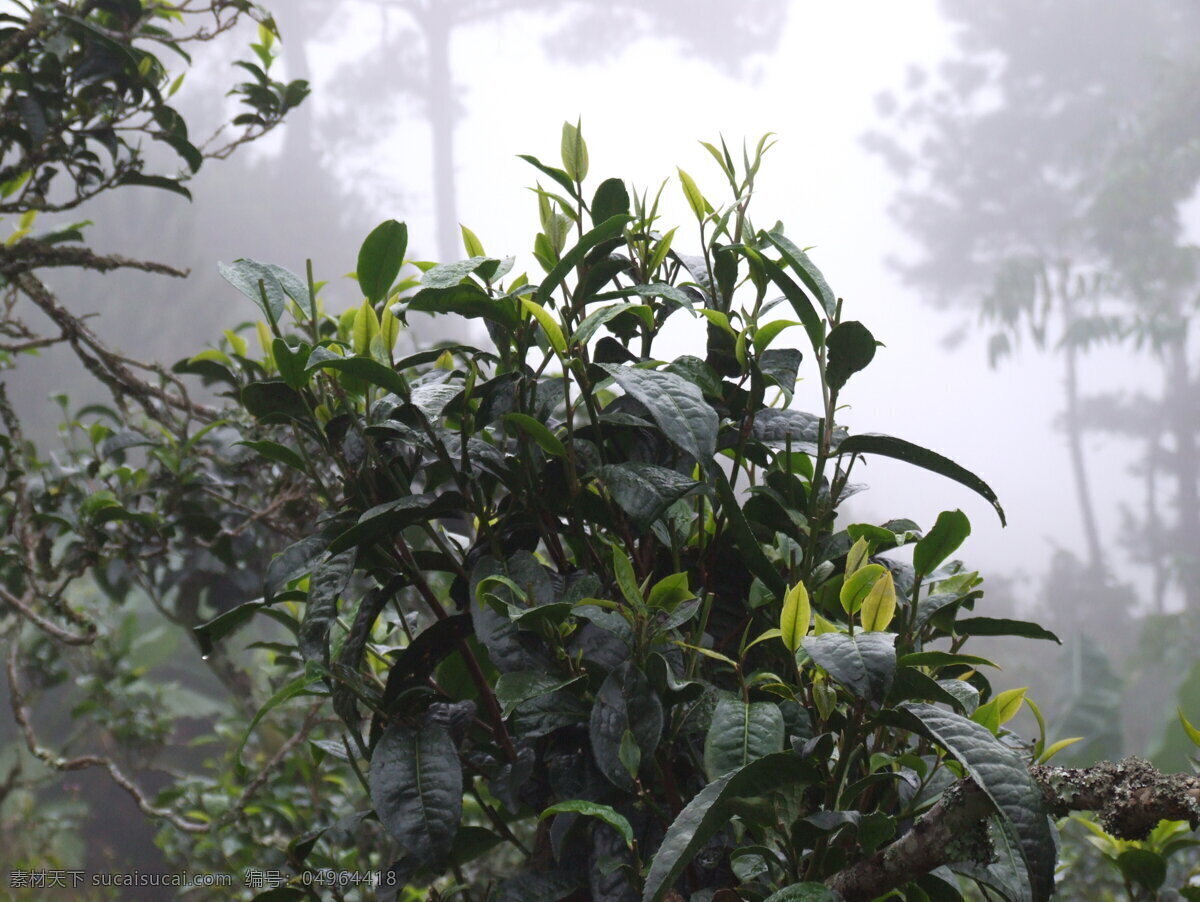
[48,627]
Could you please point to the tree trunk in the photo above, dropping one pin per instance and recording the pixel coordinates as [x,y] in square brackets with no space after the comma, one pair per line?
[1074,430]
[442,111]
[1182,421]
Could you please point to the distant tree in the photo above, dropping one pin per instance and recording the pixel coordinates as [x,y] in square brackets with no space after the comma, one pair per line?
[1045,167]
[412,50]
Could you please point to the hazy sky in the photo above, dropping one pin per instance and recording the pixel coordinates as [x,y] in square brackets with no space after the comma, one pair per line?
[643,111]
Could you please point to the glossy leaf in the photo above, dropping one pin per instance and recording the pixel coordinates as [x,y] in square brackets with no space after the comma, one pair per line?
[741,732]
[469,301]
[390,517]
[864,663]
[370,371]
[795,616]
[625,702]
[380,259]
[879,607]
[645,491]
[851,348]
[858,586]
[328,582]
[1000,773]
[677,407]
[611,199]
[998,626]
[898,449]
[808,272]
[593,809]
[610,228]
[259,283]
[416,787]
[949,532]
[709,811]
[548,323]
[535,429]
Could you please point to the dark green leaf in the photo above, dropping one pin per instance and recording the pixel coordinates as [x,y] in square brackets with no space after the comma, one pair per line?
[814,326]
[416,663]
[943,659]
[611,199]
[677,406]
[851,348]
[293,561]
[776,427]
[597,318]
[278,453]
[293,286]
[371,371]
[806,269]
[280,894]
[448,275]
[557,174]
[898,449]
[752,554]
[328,582]
[1143,866]
[535,429]
[380,259]
[593,809]
[911,684]
[416,788]
[273,399]
[392,516]
[997,626]
[625,702]
[864,663]
[610,228]
[709,811]
[519,686]
[782,365]
[544,886]
[468,301]
[741,733]
[155,181]
[645,491]
[1000,773]
[950,530]
[212,631]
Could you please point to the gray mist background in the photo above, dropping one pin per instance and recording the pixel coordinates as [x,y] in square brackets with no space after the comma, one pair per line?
[964,171]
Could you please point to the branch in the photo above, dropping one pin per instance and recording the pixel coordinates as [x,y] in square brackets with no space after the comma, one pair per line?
[31,253]
[1130,797]
[111,369]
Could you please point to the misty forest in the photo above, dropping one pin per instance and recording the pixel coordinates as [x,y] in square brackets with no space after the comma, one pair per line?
[523,451]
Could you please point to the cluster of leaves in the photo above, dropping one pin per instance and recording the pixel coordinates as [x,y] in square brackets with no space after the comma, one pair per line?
[592,611]
[80,82]
[1101,866]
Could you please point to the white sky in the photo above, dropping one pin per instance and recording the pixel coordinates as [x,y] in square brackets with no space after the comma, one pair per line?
[643,112]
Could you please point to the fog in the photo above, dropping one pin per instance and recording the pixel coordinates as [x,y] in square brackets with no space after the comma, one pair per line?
[385,135]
